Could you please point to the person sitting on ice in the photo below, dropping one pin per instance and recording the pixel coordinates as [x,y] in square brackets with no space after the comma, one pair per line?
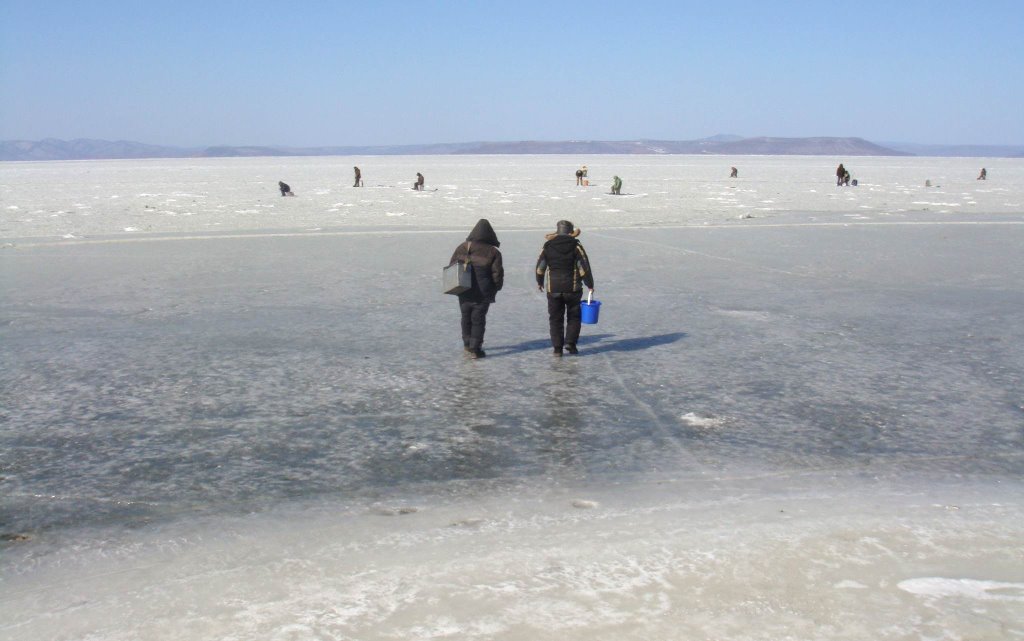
[733,172]
[983,175]
[285,189]
[418,185]
[616,185]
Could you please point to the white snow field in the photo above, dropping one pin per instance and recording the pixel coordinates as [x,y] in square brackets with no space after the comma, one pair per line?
[225,414]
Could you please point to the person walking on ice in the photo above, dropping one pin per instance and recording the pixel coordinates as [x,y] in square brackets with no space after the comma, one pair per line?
[563,266]
[285,189]
[480,252]
[359,177]
[616,185]
[983,175]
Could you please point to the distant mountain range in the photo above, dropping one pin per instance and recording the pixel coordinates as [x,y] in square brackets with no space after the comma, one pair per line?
[974,151]
[725,145]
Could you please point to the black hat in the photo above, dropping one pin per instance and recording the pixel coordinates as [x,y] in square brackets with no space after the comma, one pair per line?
[564,228]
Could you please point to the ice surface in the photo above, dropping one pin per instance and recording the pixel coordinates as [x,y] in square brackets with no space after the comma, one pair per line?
[801,557]
[89,198]
[970,588]
[251,418]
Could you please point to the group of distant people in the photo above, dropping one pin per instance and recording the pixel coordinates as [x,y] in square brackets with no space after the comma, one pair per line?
[582,180]
[842,179]
[562,270]
[420,181]
[842,176]
[418,185]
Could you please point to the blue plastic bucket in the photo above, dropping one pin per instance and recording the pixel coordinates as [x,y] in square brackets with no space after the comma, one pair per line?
[590,311]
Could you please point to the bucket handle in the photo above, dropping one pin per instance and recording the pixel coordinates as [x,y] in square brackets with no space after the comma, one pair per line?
[590,295]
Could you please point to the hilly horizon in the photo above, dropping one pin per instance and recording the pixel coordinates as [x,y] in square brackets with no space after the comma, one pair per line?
[721,144]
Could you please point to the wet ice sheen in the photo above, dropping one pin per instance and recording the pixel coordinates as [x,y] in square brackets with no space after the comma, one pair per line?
[801,425]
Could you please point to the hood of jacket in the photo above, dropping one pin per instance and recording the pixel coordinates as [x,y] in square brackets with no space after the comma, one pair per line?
[563,245]
[484,233]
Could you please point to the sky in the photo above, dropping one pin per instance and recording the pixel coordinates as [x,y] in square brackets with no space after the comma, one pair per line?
[334,73]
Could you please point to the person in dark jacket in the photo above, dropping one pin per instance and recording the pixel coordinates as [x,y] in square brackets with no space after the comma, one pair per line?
[481,251]
[983,175]
[285,189]
[359,177]
[616,185]
[564,268]
[840,174]
[418,185]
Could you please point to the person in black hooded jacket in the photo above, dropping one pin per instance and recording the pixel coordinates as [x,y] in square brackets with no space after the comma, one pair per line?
[481,251]
[564,266]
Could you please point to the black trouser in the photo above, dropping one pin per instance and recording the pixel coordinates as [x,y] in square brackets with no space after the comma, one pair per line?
[474,322]
[564,318]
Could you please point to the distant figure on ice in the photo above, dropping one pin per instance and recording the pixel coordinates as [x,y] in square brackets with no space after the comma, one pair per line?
[418,185]
[584,170]
[579,177]
[616,185]
[733,172]
[840,174]
[481,252]
[563,264]
[983,175]
[285,189]
[359,177]
[846,179]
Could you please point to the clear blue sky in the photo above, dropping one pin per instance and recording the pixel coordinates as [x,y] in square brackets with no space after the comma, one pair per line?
[377,72]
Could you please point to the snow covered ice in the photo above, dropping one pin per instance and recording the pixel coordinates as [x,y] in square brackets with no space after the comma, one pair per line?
[231,415]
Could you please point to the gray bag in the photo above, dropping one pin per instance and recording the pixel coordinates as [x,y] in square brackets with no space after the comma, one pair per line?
[457,278]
